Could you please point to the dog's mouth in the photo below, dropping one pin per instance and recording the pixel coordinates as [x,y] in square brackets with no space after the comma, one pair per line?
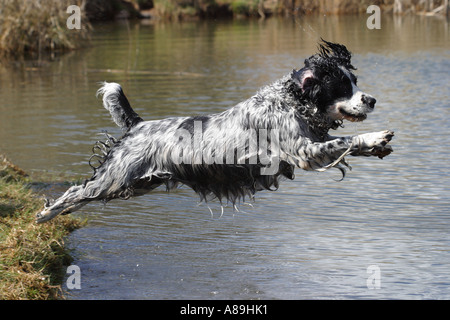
[352,117]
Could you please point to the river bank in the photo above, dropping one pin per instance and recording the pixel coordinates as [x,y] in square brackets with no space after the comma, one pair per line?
[33,257]
[32,29]
[204,9]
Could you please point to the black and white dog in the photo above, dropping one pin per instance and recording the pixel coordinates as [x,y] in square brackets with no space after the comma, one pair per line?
[233,154]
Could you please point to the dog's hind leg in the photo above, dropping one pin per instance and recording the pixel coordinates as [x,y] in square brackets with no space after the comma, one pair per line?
[99,187]
[107,183]
[78,196]
[70,201]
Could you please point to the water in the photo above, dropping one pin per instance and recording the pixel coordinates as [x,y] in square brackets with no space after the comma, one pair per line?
[315,238]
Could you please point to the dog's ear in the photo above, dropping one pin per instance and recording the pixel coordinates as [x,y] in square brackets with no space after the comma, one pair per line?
[304,79]
[309,84]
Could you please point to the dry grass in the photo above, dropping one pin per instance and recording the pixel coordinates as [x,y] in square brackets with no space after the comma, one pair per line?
[37,26]
[262,8]
[32,257]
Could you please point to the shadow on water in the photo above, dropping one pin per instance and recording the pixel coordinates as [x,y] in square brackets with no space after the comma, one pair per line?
[314,237]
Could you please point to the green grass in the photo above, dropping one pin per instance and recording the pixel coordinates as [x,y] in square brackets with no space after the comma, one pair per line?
[32,257]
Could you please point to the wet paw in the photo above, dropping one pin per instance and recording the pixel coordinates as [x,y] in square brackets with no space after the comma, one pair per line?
[378,139]
[374,144]
[43,216]
[382,152]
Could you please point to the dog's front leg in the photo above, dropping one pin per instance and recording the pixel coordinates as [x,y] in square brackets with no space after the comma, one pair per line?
[323,155]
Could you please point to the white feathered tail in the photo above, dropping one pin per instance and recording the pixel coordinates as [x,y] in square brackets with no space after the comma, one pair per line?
[115,101]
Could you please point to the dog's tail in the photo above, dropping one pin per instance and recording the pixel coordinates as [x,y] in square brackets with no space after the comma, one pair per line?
[115,101]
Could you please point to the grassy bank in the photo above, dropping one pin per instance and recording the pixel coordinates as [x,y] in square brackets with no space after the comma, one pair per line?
[33,257]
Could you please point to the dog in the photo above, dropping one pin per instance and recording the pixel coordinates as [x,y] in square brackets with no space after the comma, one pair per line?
[232,155]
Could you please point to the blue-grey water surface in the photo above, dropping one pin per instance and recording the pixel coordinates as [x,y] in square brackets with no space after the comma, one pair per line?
[314,238]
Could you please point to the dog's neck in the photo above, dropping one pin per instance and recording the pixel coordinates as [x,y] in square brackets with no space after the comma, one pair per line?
[318,122]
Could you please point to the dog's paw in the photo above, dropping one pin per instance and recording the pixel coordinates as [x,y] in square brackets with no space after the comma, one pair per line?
[47,213]
[374,144]
[43,216]
[382,152]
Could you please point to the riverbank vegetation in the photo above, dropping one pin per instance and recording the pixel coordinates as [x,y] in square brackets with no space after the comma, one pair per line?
[32,257]
[188,9]
[34,27]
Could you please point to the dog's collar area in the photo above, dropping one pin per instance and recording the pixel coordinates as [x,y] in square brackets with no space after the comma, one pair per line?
[317,120]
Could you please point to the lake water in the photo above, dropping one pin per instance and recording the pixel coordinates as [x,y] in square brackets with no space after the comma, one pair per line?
[315,238]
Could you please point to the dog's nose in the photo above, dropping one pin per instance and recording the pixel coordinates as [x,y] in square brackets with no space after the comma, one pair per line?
[368,100]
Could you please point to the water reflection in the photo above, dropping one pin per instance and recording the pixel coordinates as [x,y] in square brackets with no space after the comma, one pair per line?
[315,237]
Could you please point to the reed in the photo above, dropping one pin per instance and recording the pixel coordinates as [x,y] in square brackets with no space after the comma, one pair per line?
[422,7]
[263,8]
[38,26]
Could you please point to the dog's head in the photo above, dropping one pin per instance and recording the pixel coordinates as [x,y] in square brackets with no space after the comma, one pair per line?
[327,81]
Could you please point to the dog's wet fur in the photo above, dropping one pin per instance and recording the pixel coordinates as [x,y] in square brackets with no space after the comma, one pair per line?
[294,114]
